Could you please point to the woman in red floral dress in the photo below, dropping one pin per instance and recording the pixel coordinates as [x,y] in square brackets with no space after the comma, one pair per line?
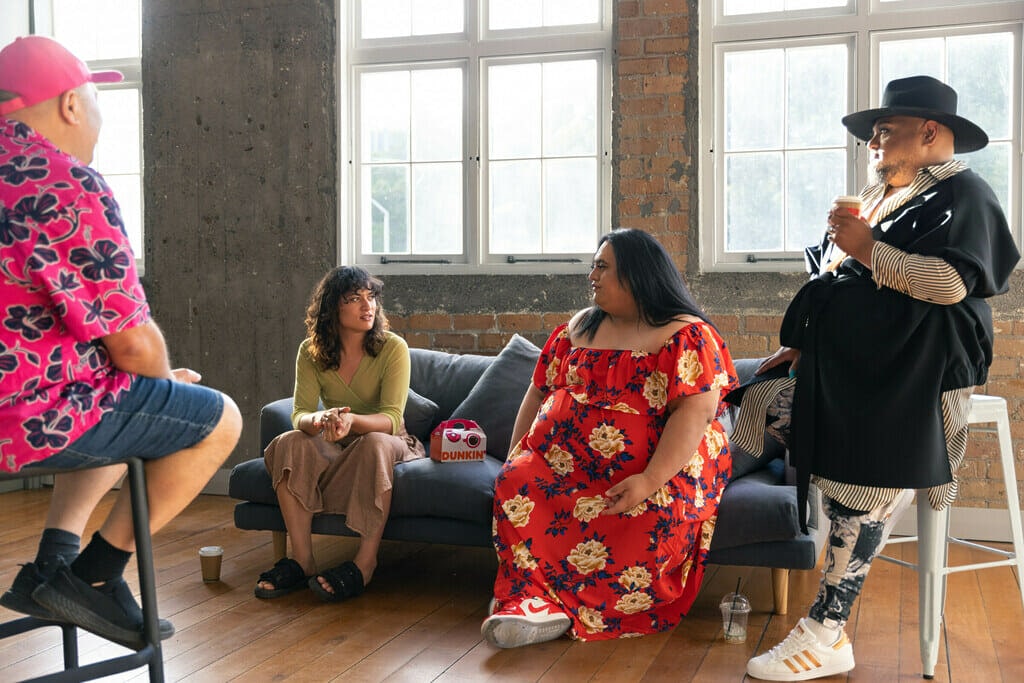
[605,509]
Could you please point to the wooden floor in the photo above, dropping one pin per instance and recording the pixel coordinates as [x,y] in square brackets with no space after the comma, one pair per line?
[420,618]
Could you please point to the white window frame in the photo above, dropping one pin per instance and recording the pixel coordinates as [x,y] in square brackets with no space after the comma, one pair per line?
[865,23]
[471,50]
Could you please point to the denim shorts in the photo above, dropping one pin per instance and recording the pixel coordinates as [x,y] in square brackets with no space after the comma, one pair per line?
[156,417]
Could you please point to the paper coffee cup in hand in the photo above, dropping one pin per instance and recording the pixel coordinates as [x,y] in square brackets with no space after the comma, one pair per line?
[850,203]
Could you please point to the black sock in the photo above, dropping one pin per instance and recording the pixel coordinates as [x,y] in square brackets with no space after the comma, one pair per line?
[100,561]
[54,545]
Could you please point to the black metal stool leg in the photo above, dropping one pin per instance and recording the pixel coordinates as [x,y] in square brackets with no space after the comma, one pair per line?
[147,575]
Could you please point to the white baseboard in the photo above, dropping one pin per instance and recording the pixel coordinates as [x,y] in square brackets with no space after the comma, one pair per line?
[976,524]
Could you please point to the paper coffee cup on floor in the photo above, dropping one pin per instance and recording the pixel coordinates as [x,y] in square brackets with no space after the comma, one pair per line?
[210,557]
[848,202]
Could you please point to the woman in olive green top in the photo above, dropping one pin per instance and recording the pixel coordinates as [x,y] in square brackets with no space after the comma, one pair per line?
[340,458]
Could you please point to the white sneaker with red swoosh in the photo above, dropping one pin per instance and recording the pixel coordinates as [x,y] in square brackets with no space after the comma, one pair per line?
[534,620]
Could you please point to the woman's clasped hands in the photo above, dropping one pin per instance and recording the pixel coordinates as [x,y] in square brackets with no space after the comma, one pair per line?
[335,423]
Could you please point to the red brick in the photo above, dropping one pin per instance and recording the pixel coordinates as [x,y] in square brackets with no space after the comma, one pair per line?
[418,340]
[656,7]
[549,321]
[474,322]
[645,65]
[630,27]
[518,322]
[762,323]
[726,323]
[673,45]
[627,9]
[663,84]
[430,321]
[630,48]
[748,345]
[643,106]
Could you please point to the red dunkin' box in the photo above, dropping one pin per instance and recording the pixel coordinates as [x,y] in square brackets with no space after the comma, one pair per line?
[457,441]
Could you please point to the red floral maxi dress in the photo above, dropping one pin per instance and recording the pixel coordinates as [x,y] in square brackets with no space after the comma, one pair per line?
[602,414]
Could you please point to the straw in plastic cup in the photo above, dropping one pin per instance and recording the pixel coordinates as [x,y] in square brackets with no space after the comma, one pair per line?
[735,609]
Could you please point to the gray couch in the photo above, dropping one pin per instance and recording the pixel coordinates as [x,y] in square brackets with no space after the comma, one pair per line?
[451,502]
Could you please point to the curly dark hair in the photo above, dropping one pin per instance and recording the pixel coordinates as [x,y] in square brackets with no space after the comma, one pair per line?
[322,314]
[647,271]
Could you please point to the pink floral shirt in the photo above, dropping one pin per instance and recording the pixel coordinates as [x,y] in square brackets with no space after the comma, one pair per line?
[67,278]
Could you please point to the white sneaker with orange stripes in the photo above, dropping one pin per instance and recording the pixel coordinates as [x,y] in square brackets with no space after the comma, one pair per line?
[801,657]
[533,620]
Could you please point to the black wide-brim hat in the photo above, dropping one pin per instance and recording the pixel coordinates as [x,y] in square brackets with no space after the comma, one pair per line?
[923,97]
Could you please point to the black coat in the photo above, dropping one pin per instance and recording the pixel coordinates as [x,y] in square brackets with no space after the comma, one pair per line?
[874,362]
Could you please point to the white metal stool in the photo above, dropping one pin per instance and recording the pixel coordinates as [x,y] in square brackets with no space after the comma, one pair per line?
[933,535]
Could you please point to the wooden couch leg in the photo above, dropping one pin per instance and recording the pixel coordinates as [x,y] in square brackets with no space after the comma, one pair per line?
[780,590]
[280,545]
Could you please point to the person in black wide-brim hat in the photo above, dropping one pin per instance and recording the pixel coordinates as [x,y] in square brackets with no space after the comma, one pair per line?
[890,340]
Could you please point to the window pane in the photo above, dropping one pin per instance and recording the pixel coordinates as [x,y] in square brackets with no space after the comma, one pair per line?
[902,58]
[570,205]
[570,108]
[510,14]
[436,113]
[817,96]
[753,202]
[753,79]
[403,18]
[117,150]
[980,69]
[515,213]
[993,164]
[437,208]
[514,111]
[385,213]
[98,29]
[385,115]
[127,191]
[813,178]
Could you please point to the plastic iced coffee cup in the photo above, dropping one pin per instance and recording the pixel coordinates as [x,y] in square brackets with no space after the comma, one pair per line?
[210,557]
[735,610]
[848,202]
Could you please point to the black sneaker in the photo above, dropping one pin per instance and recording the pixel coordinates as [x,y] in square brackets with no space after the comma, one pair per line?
[19,596]
[108,610]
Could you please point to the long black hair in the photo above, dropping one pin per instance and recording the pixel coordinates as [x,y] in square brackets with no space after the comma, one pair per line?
[647,271]
[323,323]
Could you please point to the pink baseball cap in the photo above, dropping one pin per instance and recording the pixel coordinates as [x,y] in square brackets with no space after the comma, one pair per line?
[37,68]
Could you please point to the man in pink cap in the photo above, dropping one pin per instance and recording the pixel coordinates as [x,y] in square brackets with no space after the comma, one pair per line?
[84,371]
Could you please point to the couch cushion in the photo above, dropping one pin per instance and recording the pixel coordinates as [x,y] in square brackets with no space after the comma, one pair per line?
[445,378]
[250,480]
[456,490]
[419,416]
[495,399]
[757,508]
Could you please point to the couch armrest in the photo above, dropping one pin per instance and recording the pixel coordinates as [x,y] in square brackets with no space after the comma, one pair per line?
[275,418]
